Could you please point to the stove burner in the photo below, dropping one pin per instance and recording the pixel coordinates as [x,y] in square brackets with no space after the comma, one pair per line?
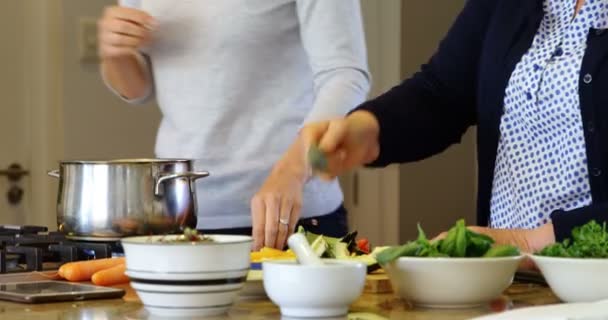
[8,229]
[32,248]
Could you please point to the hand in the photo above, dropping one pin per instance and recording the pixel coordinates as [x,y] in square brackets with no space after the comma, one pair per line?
[275,209]
[121,31]
[527,240]
[347,143]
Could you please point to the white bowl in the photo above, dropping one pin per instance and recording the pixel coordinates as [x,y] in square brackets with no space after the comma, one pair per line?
[451,282]
[187,278]
[314,291]
[575,279]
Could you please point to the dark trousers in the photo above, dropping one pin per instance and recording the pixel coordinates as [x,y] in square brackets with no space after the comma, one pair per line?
[334,225]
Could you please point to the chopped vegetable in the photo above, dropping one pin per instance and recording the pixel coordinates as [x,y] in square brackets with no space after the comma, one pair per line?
[587,241]
[271,254]
[84,270]
[189,235]
[341,248]
[459,242]
[363,245]
[112,276]
[317,159]
[501,251]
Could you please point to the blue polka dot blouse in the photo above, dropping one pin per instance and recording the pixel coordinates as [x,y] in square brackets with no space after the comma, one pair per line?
[541,164]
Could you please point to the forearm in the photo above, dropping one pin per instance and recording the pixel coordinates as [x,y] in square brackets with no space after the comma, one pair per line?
[338,92]
[128,76]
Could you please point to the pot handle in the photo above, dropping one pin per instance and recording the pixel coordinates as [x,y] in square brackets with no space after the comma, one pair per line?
[54,173]
[190,175]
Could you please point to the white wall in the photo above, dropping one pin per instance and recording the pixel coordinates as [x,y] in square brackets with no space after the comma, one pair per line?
[97,124]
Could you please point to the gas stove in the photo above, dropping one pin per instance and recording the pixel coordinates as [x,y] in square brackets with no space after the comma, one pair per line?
[34,248]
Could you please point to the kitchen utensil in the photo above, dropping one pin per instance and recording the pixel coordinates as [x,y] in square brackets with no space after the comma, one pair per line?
[314,291]
[299,245]
[186,278]
[54,291]
[107,200]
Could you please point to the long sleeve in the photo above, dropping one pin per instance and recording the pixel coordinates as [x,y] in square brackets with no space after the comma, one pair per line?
[333,37]
[427,113]
[565,221]
[143,60]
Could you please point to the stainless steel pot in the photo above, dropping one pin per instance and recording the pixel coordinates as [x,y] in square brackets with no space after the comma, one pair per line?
[107,200]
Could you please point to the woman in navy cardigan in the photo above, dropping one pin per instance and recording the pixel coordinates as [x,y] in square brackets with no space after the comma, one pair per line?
[528,73]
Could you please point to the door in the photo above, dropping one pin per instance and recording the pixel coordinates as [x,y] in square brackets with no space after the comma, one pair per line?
[14,125]
[28,119]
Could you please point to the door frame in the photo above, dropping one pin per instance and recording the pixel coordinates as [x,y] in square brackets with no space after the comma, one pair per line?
[43,99]
[372,196]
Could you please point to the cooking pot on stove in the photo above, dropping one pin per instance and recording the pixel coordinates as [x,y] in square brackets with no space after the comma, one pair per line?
[107,200]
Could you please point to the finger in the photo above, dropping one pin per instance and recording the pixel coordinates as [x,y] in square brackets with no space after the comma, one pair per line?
[336,164]
[372,154]
[272,205]
[285,213]
[334,136]
[120,40]
[312,133]
[258,217]
[296,210]
[528,264]
[132,15]
[124,27]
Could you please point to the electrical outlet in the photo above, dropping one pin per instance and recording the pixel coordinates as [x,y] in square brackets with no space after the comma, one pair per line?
[88,40]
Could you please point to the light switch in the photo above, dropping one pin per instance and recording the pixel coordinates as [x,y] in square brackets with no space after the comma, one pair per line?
[88,40]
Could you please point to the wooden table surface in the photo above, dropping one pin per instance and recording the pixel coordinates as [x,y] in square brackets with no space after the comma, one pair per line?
[368,307]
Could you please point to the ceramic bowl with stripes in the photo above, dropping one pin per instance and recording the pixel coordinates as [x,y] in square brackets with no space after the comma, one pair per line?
[187,278]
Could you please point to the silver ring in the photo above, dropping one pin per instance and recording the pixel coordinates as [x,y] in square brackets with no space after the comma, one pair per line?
[284,221]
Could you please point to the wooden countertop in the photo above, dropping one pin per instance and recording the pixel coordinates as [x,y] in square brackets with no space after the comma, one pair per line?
[368,307]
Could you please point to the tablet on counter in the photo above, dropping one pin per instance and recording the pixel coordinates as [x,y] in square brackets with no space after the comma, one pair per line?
[55,291]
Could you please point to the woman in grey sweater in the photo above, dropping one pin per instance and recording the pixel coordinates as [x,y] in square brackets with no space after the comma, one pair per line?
[235,81]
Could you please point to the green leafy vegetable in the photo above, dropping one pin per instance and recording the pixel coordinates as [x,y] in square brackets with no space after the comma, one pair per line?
[317,159]
[587,241]
[459,242]
[501,251]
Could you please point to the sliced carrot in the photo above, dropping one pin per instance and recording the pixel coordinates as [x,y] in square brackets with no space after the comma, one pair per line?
[84,270]
[111,276]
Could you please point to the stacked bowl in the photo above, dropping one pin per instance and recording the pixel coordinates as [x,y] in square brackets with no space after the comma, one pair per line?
[173,277]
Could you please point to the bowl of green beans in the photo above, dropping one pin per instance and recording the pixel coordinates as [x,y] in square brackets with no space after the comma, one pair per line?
[465,269]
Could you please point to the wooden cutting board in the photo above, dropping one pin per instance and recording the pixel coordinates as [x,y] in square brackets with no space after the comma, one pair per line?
[377,282]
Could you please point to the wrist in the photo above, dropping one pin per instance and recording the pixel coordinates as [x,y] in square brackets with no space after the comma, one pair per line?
[541,237]
[293,163]
[367,129]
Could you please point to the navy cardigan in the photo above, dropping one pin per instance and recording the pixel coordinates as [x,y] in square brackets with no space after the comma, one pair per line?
[464,84]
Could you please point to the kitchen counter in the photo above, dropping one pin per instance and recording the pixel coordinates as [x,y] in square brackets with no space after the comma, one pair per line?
[368,307]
